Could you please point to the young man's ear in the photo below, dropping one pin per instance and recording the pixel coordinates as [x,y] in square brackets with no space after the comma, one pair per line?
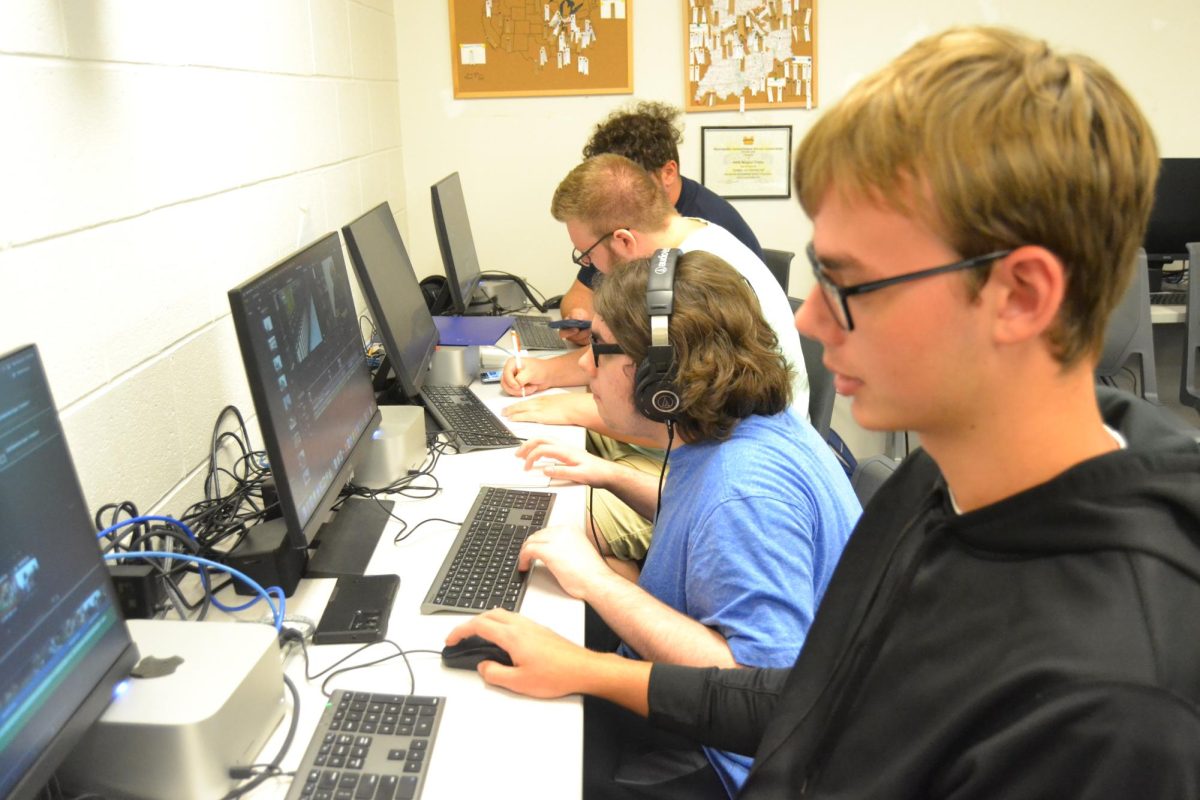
[624,245]
[1027,287]
[668,175]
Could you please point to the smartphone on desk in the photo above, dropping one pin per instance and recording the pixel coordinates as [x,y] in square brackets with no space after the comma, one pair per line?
[575,324]
[489,376]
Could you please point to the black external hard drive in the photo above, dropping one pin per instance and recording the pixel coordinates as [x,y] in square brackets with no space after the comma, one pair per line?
[358,610]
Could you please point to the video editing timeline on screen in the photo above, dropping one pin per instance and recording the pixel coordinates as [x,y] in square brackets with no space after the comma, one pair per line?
[306,388]
[58,619]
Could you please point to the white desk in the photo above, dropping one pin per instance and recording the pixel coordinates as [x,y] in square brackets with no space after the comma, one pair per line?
[1165,315]
[491,743]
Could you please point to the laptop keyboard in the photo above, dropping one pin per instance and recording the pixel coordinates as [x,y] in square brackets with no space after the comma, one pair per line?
[535,335]
[480,571]
[470,424]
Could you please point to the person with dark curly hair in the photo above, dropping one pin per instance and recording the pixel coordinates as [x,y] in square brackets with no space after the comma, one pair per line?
[648,133]
[755,510]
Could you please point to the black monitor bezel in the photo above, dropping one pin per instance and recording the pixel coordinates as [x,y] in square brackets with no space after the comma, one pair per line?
[300,535]
[1177,221]
[461,279]
[93,704]
[411,377]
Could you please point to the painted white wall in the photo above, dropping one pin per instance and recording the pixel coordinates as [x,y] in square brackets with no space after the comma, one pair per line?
[153,156]
[511,152]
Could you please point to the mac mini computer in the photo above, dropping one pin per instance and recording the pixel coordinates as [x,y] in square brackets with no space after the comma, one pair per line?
[217,697]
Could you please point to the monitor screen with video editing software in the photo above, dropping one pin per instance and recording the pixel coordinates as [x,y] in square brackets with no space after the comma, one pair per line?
[297,328]
[66,650]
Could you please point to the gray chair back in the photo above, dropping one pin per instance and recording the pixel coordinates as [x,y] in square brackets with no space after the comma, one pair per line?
[820,386]
[780,264]
[1189,385]
[869,475]
[1130,337]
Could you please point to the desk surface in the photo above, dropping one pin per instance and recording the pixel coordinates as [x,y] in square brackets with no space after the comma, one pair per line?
[491,743]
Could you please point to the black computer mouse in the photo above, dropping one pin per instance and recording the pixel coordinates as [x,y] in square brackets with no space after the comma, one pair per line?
[470,651]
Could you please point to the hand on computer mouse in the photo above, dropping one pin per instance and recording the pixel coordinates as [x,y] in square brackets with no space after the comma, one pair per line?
[544,663]
[469,652]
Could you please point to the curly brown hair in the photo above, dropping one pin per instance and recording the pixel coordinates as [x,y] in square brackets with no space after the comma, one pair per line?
[645,132]
[727,360]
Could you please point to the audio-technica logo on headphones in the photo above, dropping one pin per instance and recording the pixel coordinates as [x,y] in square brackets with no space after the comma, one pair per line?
[661,267]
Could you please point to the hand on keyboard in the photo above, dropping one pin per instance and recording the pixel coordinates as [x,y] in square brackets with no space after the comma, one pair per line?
[570,556]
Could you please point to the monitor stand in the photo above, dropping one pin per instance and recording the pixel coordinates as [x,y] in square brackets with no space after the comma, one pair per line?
[345,543]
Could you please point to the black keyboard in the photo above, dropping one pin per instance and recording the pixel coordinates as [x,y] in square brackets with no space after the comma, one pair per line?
[1168,298]
[535,335]
[470,423]
[369,747]
[480,571]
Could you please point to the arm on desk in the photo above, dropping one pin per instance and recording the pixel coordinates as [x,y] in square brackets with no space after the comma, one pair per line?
[636,489]
[653,629]
[571,409]
[547,665]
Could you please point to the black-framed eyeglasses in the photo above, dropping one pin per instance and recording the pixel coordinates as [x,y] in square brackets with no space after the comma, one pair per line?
[600,348]
[835,296]
[584,259]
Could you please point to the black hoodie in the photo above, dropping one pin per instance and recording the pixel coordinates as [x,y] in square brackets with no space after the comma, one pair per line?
[1047,645]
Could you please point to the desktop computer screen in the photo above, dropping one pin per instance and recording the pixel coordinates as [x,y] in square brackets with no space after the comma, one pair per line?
[66,648]
[297,328]
[1175,219]
[391,287]
[455,241]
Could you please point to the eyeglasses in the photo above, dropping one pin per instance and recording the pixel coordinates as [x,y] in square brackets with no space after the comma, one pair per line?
[584,259]
[835,296]
[600,348]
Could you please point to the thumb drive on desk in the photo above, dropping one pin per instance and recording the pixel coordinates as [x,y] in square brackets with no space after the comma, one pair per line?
[358,610]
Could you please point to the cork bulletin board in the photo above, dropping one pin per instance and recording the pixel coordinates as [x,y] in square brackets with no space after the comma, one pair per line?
[750,54]
[514,48]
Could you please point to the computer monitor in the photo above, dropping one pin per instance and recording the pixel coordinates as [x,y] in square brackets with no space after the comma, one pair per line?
[390,284]
[66,649]
[297,328]
[455,241]
[1175,219]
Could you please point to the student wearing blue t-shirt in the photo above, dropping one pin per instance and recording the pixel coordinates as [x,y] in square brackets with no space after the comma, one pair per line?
[752,517]
[647,133]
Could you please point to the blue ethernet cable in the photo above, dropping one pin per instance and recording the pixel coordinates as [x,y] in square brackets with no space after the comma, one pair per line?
[147,518]
[276,611]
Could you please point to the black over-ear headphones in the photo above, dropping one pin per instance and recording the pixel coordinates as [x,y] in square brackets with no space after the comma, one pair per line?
[654,393]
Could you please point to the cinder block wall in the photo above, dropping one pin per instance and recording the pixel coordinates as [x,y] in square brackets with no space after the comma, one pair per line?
[153,156]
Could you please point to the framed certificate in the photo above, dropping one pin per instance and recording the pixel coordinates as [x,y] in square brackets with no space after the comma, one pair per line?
[748,162]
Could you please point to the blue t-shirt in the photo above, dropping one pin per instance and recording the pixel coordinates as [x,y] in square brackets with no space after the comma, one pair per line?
[749,534]
[697,200]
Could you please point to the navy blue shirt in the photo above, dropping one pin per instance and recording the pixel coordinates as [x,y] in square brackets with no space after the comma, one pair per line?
[696,200]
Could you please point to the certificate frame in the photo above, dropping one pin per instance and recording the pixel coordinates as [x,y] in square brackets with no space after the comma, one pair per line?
[748,162]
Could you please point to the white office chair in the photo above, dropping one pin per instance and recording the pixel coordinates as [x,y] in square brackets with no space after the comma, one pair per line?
[870,474]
